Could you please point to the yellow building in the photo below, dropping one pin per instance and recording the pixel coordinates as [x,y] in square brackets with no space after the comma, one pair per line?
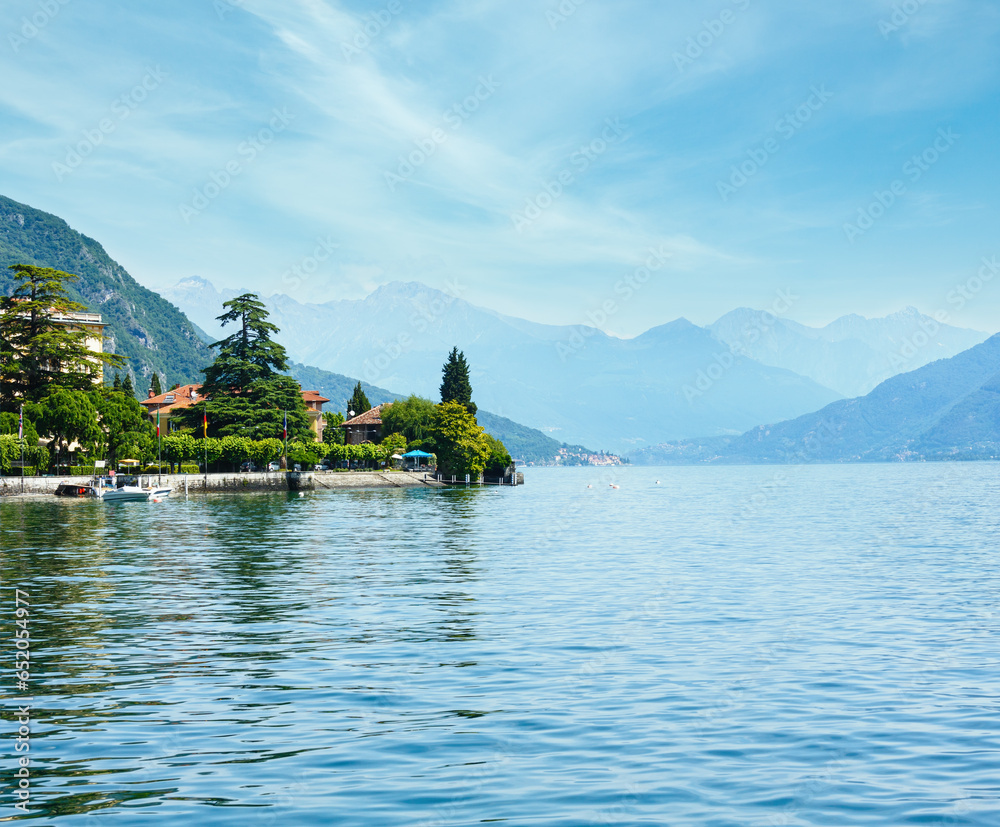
[89,323]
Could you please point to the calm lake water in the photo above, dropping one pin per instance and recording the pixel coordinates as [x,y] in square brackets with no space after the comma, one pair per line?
[731,646]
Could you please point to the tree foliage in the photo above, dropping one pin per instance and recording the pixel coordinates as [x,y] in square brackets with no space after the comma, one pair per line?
[412,417]
[333,434]
[359,402]
[498,459]
[9,425]
[125,429]
[392,444]
[462,447]
[249,354]
[37,351]
[155,385]
[67,416]
[246,396]
[455,384]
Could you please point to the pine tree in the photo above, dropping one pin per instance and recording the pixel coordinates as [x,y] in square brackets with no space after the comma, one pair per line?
[246,395]
[455,384]
[155,385]
[248,354]
[117,384]
[37,351]
[359,402]
[127,387]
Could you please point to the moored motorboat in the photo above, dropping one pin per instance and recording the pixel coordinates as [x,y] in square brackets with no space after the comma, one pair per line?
[129,493]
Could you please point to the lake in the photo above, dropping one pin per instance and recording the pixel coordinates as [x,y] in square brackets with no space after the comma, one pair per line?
[700,646]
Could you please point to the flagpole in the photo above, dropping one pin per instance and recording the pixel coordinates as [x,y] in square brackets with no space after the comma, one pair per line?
[159,452]
[204,437]
[20,438]
[285,425]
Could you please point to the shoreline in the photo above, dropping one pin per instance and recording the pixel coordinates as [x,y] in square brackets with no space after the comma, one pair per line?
[254,481]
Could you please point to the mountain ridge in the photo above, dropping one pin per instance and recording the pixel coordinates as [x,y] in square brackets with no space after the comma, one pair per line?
[576,383]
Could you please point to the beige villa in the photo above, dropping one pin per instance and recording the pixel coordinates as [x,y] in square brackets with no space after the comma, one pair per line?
[187,395]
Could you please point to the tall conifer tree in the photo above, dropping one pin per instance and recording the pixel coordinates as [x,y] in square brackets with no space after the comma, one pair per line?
[455,384]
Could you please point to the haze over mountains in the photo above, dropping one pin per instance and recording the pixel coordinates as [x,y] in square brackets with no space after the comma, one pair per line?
[155,336]
[852,354]
[949,409]
[576,383]
[579,384]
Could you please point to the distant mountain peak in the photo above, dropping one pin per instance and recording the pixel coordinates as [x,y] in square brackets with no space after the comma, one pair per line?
[194,281]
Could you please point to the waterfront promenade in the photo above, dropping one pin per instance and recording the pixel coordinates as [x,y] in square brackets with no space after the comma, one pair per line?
[235,483]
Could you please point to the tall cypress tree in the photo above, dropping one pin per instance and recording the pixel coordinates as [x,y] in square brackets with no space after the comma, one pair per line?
[359,402]
[155,385]
[455,384]
[117,384]
[127,387]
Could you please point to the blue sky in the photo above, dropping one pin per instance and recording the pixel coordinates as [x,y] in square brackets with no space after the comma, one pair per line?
[531,156]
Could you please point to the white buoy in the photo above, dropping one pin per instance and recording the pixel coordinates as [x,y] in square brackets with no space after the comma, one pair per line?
[590,486]
[657,482]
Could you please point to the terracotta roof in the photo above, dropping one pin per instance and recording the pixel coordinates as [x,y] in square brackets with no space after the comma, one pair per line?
[313,396]
[182,398]
[372,417]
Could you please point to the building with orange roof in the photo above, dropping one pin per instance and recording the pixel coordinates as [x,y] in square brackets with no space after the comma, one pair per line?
[366,427]
[187,395]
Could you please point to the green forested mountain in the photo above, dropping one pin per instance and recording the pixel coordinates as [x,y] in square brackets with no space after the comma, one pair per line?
[155,336]
[336,387]
[142,326]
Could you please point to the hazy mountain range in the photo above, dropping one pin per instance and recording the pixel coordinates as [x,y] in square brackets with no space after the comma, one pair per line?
[155,336]
[852,354]
[579,384]
[949,409]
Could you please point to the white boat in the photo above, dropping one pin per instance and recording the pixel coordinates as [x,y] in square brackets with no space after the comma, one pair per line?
[130,493]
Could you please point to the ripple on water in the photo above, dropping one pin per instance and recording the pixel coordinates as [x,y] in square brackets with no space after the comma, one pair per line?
[749,646]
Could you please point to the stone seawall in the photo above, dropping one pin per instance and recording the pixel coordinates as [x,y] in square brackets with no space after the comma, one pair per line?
[233,483]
